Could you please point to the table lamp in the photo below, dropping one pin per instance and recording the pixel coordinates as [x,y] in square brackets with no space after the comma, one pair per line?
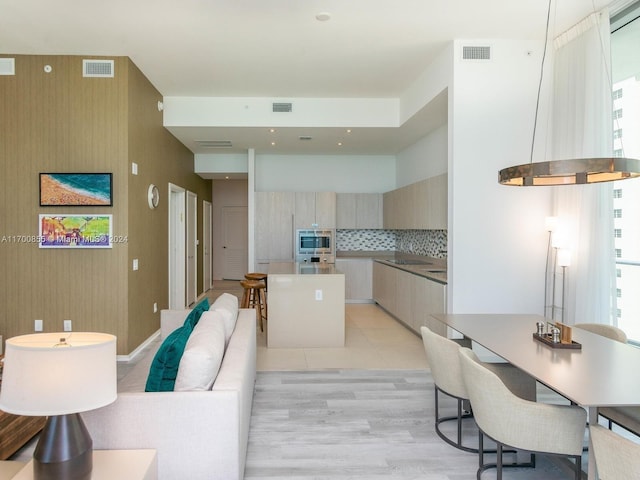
[60,375]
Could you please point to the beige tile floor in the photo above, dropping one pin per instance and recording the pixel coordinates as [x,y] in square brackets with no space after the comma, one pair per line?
[373,339]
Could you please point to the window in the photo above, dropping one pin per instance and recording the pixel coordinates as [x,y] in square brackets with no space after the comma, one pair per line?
[618,153]
[625,63]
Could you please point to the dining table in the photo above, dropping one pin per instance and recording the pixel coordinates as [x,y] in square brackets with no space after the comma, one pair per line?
[596,372]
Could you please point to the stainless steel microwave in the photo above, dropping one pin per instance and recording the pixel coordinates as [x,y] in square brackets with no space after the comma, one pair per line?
[315,245]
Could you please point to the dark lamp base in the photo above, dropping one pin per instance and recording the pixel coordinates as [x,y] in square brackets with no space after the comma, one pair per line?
[64,450]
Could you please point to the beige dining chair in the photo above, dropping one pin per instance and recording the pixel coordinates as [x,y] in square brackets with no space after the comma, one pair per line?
[616,457]
[626,417]
[444,363]
[520,424]
[605,330]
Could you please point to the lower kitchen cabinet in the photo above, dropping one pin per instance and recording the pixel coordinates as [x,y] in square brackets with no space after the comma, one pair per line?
[408,297]
[358,278]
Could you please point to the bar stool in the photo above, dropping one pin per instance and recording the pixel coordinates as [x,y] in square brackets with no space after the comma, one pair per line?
[260,277]
[254,297]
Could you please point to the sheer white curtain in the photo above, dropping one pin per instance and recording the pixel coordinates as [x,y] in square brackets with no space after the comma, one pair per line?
[582,128]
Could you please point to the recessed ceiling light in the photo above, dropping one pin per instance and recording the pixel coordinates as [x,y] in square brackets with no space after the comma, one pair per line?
[226,177]
[339,144]
[272,130]
[348,130]
[273,144]
[323,16]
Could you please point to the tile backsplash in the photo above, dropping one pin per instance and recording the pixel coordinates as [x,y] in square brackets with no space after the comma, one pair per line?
[432,243]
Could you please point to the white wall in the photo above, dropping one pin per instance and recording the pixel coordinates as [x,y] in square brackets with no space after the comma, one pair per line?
[496,233]
[426,158]
[329,173]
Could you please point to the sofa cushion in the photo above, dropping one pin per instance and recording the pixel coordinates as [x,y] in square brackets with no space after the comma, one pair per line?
[227,305]
[203,353]
[164,368]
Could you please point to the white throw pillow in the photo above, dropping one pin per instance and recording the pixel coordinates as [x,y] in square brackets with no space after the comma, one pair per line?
[202,355]
[227,305]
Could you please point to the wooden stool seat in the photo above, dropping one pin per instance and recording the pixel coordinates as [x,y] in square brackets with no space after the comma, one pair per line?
[254,297]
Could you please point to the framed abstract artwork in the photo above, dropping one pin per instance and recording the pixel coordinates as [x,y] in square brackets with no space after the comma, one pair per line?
[76,189]
[75,231]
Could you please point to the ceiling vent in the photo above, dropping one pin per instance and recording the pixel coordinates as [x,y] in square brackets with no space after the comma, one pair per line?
[283,107]
[305,137]
[214,143]
[7,66]
[98,68]
[474,52]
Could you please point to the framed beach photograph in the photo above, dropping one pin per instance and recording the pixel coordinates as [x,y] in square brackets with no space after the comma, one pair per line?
[75,231]
[76,189]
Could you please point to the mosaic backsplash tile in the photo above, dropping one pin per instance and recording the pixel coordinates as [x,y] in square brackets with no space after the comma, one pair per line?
[432,243]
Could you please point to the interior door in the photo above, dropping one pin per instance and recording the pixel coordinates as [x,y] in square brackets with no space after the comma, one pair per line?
[206,244]
[192,249]
[235,245]
[177,253]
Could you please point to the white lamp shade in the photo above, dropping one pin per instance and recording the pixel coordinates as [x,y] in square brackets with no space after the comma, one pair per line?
[44,376]
[564,257]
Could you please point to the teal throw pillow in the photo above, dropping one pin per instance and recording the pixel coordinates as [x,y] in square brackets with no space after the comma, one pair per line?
[164,368]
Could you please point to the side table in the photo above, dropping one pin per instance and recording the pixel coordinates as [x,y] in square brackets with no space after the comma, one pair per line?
[114,464]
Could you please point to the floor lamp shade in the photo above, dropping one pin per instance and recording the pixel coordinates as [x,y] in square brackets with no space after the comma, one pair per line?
[59,375]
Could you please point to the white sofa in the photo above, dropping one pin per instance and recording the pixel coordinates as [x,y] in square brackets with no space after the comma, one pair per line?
[197,434]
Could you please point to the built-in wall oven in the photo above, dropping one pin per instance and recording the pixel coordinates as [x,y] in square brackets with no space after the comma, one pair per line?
[315,245]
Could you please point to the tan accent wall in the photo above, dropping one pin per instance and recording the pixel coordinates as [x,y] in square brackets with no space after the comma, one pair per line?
[62,122]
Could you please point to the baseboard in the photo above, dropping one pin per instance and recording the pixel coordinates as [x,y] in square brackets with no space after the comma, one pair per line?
[133,355]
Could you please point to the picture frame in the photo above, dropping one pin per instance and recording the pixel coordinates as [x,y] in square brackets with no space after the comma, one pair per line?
[75,231]
[76,189]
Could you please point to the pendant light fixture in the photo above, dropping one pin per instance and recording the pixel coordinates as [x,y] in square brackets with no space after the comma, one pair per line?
[566,172]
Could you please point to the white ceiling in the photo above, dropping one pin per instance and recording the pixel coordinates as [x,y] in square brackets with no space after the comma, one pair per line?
[278,49]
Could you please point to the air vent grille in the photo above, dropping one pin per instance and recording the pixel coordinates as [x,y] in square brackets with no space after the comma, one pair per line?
[7,66]
[283,107]
[98,68]
[214,143]
[473,52]
[305,137]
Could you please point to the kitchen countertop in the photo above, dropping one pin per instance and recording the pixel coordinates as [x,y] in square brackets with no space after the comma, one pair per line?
[434,268]
[291,268]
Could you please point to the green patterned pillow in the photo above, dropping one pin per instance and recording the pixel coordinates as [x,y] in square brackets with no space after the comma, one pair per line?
[164,368]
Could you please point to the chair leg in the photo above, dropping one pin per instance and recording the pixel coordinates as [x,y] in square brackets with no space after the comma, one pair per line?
[499,462]
[578,467]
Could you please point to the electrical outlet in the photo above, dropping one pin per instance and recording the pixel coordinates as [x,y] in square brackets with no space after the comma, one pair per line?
[37,326]
[318,294]
[67,325]
[135,264]
[155,307]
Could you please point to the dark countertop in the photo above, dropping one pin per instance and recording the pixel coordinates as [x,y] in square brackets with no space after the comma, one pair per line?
[433,269]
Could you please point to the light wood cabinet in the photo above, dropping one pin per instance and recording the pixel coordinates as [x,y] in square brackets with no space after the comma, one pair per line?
[315,208]
[358,278]
[421,205]
[274,226]
[359,210]
[384,286]
[408,297]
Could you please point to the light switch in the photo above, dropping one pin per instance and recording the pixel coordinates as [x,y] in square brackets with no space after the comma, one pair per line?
[135,264]
[318,294]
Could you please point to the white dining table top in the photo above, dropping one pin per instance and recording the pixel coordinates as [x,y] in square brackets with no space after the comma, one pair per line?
[603,372]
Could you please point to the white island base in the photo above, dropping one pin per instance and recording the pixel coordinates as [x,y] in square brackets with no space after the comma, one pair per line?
[306,306]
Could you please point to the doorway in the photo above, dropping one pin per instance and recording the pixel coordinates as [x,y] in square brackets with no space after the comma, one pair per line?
[192,247]
[177,252]
[207,212]
[235,245]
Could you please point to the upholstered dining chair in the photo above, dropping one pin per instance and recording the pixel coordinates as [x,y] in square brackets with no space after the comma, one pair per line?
[520,424]
[616,457]
[605,330]
[626,417]
[443,360]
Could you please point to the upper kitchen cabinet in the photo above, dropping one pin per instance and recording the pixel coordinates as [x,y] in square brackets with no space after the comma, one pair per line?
[359,210]
[315,210]
[421,205]
[274,226]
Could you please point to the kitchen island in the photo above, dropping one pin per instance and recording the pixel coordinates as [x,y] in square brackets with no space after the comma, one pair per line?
[306,305]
